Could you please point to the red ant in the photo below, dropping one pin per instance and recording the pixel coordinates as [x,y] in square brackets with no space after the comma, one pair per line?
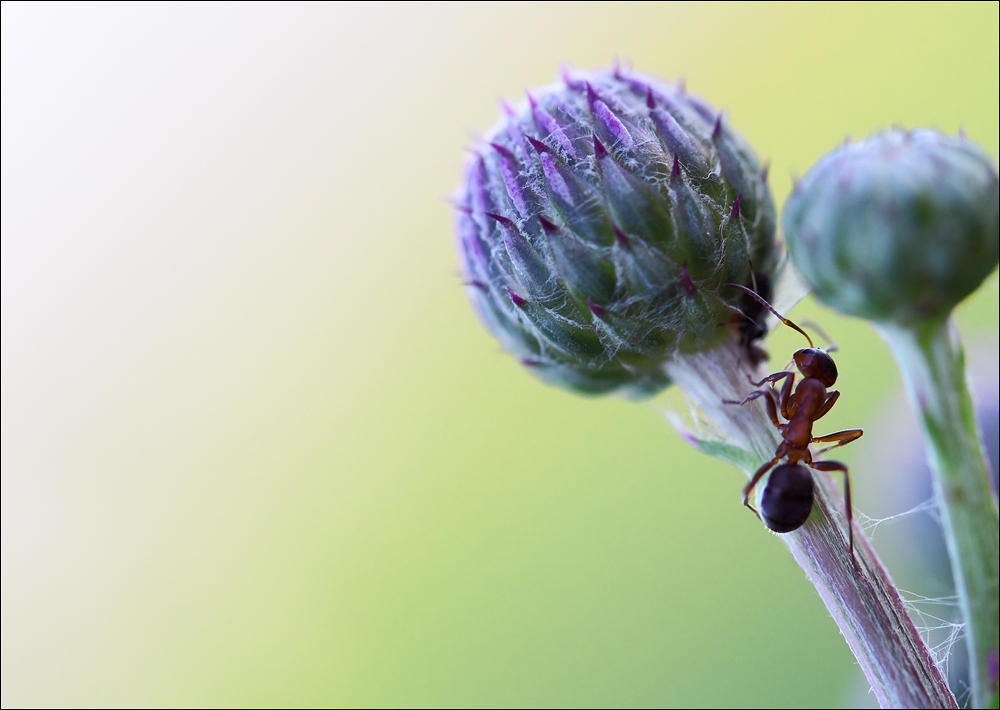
[787,499]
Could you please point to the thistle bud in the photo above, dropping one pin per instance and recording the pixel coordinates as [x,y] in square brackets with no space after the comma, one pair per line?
[597,225]
[899,227]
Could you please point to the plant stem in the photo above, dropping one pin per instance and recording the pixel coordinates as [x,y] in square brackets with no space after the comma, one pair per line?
[867,609]
[932,362]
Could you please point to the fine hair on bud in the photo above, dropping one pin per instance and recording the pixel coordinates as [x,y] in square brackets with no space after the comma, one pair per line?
[598,223]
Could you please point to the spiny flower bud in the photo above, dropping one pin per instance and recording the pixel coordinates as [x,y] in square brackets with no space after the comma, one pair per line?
[899,227]
[598,225]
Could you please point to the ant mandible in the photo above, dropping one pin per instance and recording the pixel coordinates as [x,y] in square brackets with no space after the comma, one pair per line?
[787,499]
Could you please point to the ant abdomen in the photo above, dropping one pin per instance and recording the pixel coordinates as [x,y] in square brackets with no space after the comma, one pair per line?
[787,499]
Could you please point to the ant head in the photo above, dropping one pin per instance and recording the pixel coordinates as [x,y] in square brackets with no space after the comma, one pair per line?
[816,362]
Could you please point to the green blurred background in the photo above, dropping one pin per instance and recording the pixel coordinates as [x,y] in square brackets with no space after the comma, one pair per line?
[257,450]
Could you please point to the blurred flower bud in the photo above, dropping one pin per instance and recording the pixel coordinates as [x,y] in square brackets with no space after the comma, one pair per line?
[597,225]
[899,227]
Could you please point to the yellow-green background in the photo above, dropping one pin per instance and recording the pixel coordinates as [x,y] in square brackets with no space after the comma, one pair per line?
[255,447]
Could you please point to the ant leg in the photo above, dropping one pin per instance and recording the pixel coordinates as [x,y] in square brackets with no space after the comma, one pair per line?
[753,482]
[831,399]
[786,396]
[772,410]
[837,466]
[771,378]
[841,437]
[786,388]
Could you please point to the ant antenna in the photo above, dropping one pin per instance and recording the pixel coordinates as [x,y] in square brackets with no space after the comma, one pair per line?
[831,347]
[769,307]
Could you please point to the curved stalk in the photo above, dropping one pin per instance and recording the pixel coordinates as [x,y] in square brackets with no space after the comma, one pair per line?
[931,360]
[867,609]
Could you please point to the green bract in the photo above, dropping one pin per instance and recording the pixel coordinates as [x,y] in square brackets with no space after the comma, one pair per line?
[598,224]
[899,227]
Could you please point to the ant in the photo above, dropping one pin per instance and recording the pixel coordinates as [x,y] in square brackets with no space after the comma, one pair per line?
[787,499]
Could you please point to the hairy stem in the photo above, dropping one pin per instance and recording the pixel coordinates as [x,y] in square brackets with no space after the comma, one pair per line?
[931,360]
[866,608]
